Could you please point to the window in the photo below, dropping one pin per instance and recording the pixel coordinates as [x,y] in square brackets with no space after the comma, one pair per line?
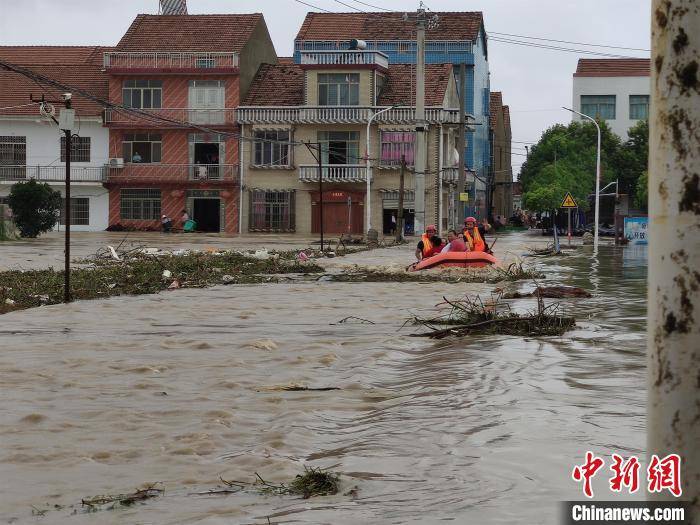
[142,147]
[639,107]
[598,106]
[80,149]
[272,210]
[338,89]
[394,145]
[143,94]
[206,101]
[340,147]
[79,212]
[140,204]
[13,151]
[271,148]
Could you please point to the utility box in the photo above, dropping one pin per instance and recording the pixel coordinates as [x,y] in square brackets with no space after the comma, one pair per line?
[66,120]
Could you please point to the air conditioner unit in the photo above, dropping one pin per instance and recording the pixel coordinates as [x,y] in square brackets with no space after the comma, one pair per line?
[116,162]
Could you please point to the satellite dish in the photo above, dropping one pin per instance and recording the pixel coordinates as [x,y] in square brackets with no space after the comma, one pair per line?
[47,110]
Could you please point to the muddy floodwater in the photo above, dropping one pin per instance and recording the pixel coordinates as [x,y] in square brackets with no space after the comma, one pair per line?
[181,388]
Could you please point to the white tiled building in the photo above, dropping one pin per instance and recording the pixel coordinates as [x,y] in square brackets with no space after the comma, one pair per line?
[615,90]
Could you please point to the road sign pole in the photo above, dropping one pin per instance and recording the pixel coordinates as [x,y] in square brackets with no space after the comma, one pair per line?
[569,229]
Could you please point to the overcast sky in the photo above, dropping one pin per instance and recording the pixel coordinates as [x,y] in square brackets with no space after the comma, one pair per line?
[535,82]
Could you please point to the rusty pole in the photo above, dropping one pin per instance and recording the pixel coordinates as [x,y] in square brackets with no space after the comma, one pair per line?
[674,242]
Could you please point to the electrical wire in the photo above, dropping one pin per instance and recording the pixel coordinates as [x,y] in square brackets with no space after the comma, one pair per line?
[20,106]
[556,48]
[567,41]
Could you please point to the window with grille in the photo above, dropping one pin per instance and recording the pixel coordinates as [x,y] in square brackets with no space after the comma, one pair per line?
[338,89]
[340,147]
[143,204]
[79,212]
[271,148]
[79,149]
[142,147]
[598,106]
[639,107]
[143,94]
[394,145]
[13,151]
[272,210]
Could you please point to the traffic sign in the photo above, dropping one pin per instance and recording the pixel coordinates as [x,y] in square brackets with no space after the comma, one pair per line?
[464,197]
[568,201]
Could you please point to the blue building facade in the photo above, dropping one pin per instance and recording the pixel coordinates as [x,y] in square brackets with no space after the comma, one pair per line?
[473,53]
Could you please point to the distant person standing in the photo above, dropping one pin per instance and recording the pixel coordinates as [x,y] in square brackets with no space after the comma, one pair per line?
[185,217]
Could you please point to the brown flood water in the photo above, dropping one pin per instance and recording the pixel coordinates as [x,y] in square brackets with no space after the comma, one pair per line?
[103,396]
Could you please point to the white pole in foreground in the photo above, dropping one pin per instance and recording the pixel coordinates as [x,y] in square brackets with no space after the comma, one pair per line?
[673,328]
[597,181]
[368,171]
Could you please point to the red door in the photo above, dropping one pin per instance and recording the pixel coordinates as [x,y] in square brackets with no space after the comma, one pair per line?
[342,212]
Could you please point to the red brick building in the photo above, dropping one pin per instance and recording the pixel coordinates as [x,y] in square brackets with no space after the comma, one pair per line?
[185,74]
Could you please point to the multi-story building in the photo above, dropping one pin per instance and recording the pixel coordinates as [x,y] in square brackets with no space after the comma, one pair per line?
[458,38]
[322,105]
[31,144]
[185,74]
[501,175]
[615,90]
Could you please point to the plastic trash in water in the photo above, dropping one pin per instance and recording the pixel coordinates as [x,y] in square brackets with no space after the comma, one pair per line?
[113,252]
[167,274]
[261,254]
[302,256]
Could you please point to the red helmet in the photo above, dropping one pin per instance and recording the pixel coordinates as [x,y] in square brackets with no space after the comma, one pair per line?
[469,219]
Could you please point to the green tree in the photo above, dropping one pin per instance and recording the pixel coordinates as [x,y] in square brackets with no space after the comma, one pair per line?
[35,207]
[641,197]
[634,157]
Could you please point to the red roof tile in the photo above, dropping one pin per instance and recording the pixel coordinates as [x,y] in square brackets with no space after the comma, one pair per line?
[224,33]
[74,66]
[285,60]
[283,85]
[276,85]
[495,104]
[613,67]
[462,25]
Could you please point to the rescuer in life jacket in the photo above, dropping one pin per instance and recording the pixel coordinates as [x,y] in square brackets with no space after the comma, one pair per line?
[430,244]
[475,235]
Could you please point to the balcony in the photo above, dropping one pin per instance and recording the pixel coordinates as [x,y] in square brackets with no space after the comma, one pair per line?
[174,173]
[51,173]
[341,115]
[192,63]
[346,58]
[333,173]
[450,175]
[179,117]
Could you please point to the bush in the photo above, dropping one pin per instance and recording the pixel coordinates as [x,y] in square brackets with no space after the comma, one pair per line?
[35,207]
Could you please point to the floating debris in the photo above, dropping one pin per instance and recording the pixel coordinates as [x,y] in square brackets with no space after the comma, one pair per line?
[110,502]
[313,482]
[550,292]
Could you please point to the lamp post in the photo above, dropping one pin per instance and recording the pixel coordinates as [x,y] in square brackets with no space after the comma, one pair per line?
[597,181]
[368,169]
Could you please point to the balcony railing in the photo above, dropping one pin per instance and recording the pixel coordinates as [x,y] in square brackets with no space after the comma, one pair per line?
[450,175]
[52,173]
[132,172]
[341,115]
[170,61]
[344,58]
[180,117]
[333,173]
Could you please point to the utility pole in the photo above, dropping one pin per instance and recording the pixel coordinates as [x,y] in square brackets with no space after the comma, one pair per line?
[421,154]
[399,213]
[319,159]
[66,121]
[673,357]
[461,140]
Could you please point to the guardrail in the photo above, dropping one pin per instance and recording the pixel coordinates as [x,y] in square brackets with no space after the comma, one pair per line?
[135,172]
[166,60]
[450,175]
[180,117]
[345,58]
[333,173]
[52,173]
[340,115]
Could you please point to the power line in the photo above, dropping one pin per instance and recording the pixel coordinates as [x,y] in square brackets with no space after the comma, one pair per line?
[373,6]
[350,6]
[556,48]
[569,42]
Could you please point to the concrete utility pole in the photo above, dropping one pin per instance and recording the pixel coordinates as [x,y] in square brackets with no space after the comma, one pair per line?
[673,369]
[461,141]
[421,155]
[399,212]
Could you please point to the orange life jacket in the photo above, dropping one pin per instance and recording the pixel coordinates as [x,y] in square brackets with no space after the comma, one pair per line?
[427,245]
[476,243]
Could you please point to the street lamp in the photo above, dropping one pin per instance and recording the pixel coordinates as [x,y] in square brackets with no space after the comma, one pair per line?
[368,170]
[597,181]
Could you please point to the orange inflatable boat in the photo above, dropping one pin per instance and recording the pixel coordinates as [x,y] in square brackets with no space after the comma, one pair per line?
[456,259]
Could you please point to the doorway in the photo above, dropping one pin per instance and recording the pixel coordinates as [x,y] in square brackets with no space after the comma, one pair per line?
[343,212]
[206,159]
[207,214]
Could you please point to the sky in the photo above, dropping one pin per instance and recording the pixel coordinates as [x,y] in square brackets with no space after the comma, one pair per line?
[535,82]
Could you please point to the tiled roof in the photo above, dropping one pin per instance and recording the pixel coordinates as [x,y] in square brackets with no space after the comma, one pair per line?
[462,25]
[613,67]
[400,87]
[495,104]
[224,33]
[283,85]
[285,60]
[74,66]
[277,85]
